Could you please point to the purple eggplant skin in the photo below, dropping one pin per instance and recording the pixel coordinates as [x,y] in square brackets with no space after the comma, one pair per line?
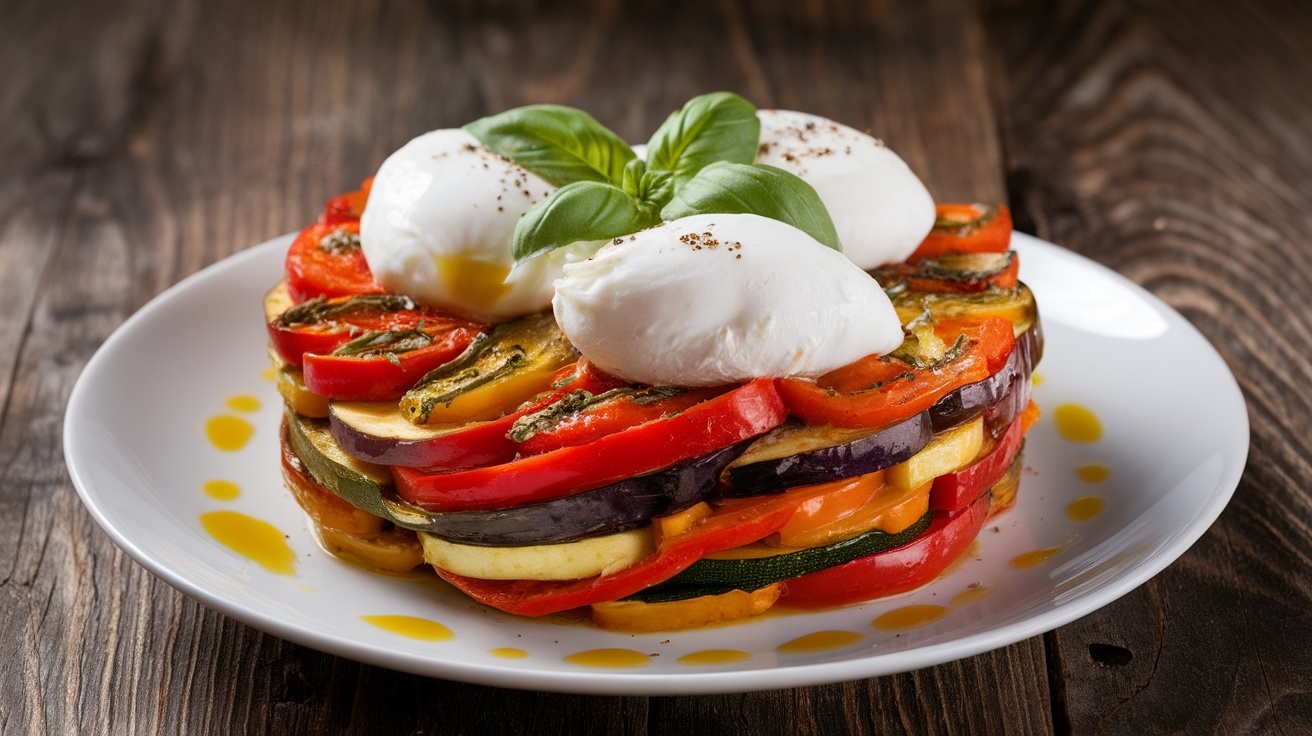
[1001,396]
[882,449]
[626,504]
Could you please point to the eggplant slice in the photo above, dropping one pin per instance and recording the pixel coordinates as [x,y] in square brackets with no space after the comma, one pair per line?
[799,455]
[1000,397]
[626,504]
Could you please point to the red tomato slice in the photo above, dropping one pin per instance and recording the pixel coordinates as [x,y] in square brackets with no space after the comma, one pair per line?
[899,390]
[390,369]
[966,228]
[321,326]
[893,571]
[347,207]
[325,260]
[732,417]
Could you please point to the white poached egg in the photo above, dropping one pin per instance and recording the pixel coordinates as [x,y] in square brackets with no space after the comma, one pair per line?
[880,208]
[716,299]
[440,222]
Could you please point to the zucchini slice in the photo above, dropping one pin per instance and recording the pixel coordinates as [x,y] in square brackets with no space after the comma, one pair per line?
[750,574]
[360,484]
[494,376]
[1015,304]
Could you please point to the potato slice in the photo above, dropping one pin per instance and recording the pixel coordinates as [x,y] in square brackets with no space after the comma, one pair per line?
[395,550]
[948,452]
[565,561]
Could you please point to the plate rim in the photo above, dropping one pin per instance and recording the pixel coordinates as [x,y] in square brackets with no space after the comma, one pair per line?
[621,682]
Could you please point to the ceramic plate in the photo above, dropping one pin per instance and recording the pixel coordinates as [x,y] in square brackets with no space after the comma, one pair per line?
[1159,471]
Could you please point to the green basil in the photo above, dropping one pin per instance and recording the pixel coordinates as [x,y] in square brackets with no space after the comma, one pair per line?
[652,187]
[728,188]
[584,210]
[720,126]
[559,144]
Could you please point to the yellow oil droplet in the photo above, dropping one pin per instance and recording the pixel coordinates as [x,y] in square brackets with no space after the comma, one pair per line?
[1034,557]
[972,594]
[222,490]
[243,402]
[269,374]
[1093,472]
[1085,508]
[714,656]
[909,617]
[820,641]
[228,433]
[411,626]
[258,541]
[609,658]
[1076,423]
[508,653]
[1038,378]
[307,588]
[472,282]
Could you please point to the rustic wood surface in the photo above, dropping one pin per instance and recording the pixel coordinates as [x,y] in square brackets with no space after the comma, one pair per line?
[145,139]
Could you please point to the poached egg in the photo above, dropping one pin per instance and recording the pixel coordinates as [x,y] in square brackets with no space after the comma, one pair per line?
[880,208]
[439,227]
[715,299]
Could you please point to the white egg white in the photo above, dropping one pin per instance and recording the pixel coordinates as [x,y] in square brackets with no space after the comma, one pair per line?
[716,299]
[439,227]
[880,208]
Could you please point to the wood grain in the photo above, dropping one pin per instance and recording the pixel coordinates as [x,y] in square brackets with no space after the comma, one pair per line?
[1170,144]
[145,140]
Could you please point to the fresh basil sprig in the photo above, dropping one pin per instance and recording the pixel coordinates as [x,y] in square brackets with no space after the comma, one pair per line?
[720,126]
[558,143]
[583,210]
[698,162]
[728,188]
[650,186]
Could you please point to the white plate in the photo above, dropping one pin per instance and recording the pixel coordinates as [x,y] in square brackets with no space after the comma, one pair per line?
[1175,442]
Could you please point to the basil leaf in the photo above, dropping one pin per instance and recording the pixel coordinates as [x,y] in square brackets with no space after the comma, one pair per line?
[584,210]
[720,126]
[725,188]
[652,187]
[631,180]
[559,144]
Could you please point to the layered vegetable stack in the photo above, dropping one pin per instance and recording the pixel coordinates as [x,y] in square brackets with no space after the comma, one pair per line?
[536,480]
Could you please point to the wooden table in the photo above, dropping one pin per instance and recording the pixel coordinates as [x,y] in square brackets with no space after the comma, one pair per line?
[143,140]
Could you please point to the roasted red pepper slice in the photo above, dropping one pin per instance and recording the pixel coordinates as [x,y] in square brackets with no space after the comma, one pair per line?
[378,366]
[894,571]
[347,207]
[740,414]
[578,418]
[325,260]
[480,444]
[956,491]
[899,391]
[735,525]
[966,228]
